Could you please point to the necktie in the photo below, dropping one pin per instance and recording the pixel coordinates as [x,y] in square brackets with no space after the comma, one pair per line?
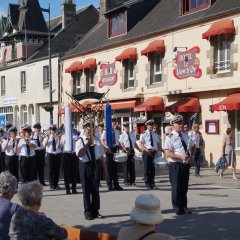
[130,141]
[28,148]
[54,145]
[38,142]
[113,138]
[13,145]
[183,142]
[151,139]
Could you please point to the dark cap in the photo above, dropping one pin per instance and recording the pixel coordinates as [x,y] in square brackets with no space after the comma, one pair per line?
[1,130]
[12,129]
[176,119]
[37,125]
[101,124]
[26,128]
[8,125]
[114,118]
[53,127]
[149,122]
[126,124]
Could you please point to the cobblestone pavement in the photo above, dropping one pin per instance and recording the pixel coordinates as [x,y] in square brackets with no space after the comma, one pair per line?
[215,204]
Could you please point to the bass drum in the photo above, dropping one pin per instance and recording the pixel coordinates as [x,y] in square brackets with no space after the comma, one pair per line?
[160,162]
[120,157]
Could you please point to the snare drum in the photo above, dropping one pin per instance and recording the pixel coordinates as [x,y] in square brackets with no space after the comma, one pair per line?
[160,162]
[120,157]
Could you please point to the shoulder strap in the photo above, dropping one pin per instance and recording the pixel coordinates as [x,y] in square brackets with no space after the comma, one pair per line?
[146,235]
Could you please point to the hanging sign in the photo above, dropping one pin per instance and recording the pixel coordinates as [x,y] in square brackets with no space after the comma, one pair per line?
[108,75]
[187,64]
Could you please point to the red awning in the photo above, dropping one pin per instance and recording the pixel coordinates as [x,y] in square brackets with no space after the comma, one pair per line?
[74,108]
[187,104]
[75,66]
[129,53]
[224,26]
[232,102]
[151,104]
[155,46]
[89,63]
[121,104]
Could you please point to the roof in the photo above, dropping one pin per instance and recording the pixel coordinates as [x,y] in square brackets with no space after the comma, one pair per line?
[13,12]
[113,4]
[163,17]
[86,18]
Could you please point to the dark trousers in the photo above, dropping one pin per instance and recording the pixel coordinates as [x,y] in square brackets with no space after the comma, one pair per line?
[129,169]
[197,161]
[26,168]
[54,161]
[112,179]
[149,169]
[69,161]
[2,162]
[179,178]
[12,165]
[98,171]
[90,187]
[39,165]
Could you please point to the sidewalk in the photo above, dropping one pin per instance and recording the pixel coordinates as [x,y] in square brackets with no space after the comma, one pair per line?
[215,203]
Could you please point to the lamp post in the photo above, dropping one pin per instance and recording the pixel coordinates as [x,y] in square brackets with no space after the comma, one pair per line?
[47,10]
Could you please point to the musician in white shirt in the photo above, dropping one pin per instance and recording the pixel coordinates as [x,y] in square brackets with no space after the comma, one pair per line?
[39,165]
[11,158]
[127,141]
[2,153]
[87,166]
[26,151]
[112,180]
[53,149]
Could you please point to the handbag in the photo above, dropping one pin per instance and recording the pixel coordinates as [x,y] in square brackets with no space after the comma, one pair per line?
[220,164]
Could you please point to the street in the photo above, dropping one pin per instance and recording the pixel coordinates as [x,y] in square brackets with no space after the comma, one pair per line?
[213,201]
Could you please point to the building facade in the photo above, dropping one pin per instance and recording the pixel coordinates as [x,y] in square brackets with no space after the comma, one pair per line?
[177,57]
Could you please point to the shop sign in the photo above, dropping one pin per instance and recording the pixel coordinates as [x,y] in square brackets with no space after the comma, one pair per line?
[10,101]
[108,75]
[2,120]
[187,64]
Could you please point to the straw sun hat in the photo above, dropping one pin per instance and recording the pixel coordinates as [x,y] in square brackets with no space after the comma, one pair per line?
[147,210]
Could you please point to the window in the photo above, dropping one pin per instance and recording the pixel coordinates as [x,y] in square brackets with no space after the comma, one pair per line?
[222,53]
[23,82]
[90,74]
[189,6]
[45,77]
[77,82]
[155,67]
[8,112]
[237,130]
[128,73]
[3,86]
[24,114]
[118,24]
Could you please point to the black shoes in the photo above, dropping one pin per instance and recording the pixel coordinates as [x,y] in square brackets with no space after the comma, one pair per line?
[57,187]
[52,187]
[151,186]
[68,192]
[186,211]
[183,211]
[118,188]
[43,184]
[110,188]
[74,191]
[180,212]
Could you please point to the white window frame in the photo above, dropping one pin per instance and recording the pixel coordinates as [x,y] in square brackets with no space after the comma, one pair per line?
[237,133]
[227,49]
[128,78]
[46,76]
[90,77]
[24,114]
[3,85]
[23,81]
[153,60]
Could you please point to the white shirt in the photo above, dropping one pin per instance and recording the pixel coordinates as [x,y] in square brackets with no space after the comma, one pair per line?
[116,133]
[41,142]
[145,139]
[79,145]
[124,139]
[22,147]
[174,144]
[63,144]
[9,149]
[195,136]
[2,140]
[49,145]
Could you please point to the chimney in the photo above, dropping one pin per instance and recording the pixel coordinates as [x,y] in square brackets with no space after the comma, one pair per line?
[102,10]
[68,12]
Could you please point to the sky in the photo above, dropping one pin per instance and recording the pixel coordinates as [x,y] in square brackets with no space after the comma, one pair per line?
[55,5]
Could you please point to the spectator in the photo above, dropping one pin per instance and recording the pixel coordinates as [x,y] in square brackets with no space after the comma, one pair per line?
[229,153]
[27,223]
[8,187]
[185,128]
[146,215]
